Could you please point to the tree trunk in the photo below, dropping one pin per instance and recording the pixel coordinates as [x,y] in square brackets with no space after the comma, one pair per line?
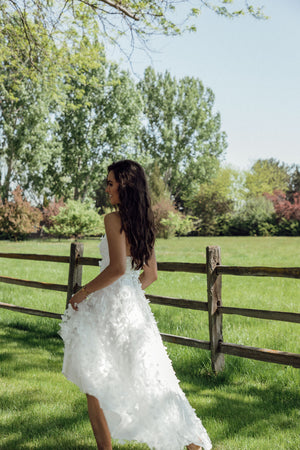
[7,180]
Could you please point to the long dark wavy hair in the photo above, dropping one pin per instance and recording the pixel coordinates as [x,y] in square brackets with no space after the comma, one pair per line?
[135,210]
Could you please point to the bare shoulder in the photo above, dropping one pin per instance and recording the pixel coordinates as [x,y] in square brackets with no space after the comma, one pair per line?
[116,238]
[112,219]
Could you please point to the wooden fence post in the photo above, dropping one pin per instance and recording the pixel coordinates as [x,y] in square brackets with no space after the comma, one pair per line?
[75,270]
[214,283]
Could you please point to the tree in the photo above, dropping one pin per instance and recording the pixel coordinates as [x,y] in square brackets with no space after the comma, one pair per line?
[112,18]
[24,40]
[180,131]
[26,128]
[157,186]
[97,122]
[294,182]
[215,201]
[266,176]
[59,127]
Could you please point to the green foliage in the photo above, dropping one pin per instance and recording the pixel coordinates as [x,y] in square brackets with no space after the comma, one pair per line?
[168,220]
[176,224]
[25,127]
[266,176]
[161,211]
[26,124]
[77,219]
[287,227]
[157,186]
[294,181]
[59,129]
[137,19]
[25,43]
[180,131]
[97,122]
[18,218]
[254,218]
[214,202]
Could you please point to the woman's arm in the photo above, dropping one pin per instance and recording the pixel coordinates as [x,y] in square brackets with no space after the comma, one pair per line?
[149,273]
[117,257]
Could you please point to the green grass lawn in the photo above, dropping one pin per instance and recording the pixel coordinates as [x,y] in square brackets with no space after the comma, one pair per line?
[251,405]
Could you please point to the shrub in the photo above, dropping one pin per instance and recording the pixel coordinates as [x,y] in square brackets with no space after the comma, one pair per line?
[177,224]
[287,212]
[18,218]
[50,211]
[212,205]
[254,218]
[170,222]
[288,227]
[77,219]
[284,208]
[161,211]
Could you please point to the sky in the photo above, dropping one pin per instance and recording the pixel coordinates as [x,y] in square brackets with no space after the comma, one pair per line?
[253,68]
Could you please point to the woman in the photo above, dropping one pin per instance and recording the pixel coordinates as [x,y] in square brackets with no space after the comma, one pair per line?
[113,349]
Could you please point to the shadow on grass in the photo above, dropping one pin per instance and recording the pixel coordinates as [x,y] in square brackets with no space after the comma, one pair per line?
[242,398]
[237,402]
[27,349]
[44,433]
[15,338]
[34,336]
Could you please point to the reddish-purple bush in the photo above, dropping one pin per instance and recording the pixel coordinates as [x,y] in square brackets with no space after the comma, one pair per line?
[50,211]
[18,217]
[285,209]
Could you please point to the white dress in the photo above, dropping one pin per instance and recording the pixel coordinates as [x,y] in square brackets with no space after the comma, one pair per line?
[113,351]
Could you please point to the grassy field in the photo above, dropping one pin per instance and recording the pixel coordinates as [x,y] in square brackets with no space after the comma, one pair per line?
[251,405]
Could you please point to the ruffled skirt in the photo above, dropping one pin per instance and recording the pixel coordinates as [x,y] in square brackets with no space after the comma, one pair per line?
[113,351]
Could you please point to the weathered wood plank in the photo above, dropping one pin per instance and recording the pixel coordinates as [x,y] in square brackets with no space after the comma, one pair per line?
[181,267]
[35,257]
[35,284]
[262,314]
[214,285]
[261,354]
[162,266]
[185,341]
[34,312]
[75,270]
[287,272]
[179,302]
[88,261]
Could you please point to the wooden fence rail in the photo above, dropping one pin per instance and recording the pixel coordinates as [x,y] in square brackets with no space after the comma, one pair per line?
[287,272]
[213,269]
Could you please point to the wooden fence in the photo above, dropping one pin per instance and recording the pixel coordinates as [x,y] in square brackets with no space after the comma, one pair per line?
[213,270]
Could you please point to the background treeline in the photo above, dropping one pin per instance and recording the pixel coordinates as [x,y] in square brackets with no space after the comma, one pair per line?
[69,113]
[262,201]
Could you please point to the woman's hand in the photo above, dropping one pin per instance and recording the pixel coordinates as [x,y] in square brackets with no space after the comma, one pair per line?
[78,298]
[117,260]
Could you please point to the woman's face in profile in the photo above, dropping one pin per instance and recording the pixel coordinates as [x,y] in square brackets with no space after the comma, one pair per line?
[112,189]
